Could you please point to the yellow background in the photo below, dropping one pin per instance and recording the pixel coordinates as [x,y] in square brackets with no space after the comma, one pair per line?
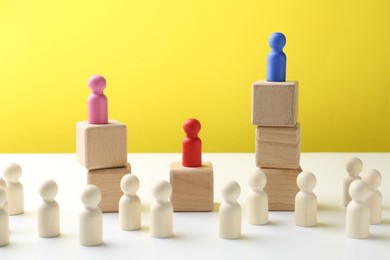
[169,60]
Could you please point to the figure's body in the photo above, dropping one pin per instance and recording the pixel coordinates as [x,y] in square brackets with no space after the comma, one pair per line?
[4,221]
[230,212]
[15,193]
[276,61]
[3,185]
[358,212]
[91,218]
[353,167]
[306,201]
[97,101]
[373,178]
[48,211]
[161,211]
[257,199]
[130,204]
[192,145]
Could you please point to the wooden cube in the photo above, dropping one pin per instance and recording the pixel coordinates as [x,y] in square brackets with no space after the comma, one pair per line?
[192,187]
[278,147]
[108,181]
[275,103]
[101,146]
[281,188]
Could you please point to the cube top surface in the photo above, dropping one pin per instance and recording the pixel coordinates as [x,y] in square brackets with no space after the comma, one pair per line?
[111,123]
[275,103]
[207,167]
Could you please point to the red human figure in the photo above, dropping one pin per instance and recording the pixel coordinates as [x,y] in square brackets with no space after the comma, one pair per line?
[97,101]
[192,145]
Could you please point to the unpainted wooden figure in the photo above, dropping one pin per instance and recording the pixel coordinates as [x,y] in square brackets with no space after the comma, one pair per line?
[91,217]
[130,204]
[161,211]
[230,212]
[353,167]
[48,210]
[257,199]
[15,197]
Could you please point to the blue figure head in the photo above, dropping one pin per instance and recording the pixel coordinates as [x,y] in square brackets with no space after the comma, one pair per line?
[277,41]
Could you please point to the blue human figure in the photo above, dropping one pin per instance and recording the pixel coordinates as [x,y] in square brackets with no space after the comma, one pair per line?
[276,61]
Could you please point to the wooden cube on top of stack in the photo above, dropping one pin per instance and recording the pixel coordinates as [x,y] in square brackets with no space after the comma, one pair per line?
[101,147]
[278,142]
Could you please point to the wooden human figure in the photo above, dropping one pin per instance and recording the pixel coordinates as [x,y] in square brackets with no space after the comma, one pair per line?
[161,211]
[358,211]
[91,218]
[257,199]
[4,221]
[48,210]
[373,178]
[306,201]
[230,212]
[129,204]
[276,61]
[3,185]
[353,167]
[97,101]
[192,145]
[12,174]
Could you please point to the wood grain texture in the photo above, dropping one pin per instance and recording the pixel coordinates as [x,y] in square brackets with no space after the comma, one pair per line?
[278,147]
[281,188]
[108,181]
[192,187]
[101,146]
[275,103]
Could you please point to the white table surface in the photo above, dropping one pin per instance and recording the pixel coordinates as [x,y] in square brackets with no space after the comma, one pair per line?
[196,234]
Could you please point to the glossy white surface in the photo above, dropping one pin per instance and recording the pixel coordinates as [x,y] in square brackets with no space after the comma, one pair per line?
[196,234]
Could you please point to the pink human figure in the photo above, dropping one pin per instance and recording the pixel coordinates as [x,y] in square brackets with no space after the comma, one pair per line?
[97,101]
[192,145]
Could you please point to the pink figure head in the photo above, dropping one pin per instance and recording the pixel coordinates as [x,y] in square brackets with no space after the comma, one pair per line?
[97,83]
[191,128]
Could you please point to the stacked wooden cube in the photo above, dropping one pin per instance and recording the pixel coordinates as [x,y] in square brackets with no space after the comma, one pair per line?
[275,113]
[102,150]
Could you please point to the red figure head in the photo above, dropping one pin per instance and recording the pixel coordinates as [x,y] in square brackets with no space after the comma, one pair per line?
[191,128]
[97,83]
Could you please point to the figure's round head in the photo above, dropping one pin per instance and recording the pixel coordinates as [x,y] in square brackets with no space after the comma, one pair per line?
[97,83]
[257,180]
[3,197]
[277,41]
[130,184]
[306,181]
[354,166]
[373,178]
[91,196]
[12,173]
[231,191]
[162,191]
[191,127]
[359,191]
[48,190]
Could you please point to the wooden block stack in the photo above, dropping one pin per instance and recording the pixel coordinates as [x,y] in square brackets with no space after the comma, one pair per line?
[275,113]
[101,147]
[278,141]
